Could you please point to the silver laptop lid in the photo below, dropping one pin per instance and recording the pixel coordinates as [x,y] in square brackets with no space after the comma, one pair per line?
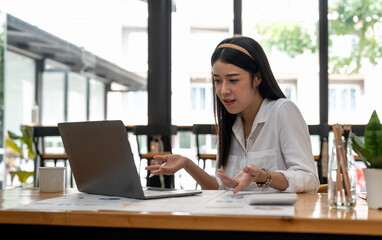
[101,159]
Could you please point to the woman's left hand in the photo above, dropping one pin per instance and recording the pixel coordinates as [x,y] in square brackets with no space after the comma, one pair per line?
[243,179]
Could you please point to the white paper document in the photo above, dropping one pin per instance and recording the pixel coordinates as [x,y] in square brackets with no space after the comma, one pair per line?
[234,204]
[209,202]
[92,202]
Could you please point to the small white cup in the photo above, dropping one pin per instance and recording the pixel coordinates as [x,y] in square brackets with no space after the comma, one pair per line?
[52,179]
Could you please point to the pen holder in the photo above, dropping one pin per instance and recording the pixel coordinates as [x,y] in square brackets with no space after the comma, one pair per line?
[342,178]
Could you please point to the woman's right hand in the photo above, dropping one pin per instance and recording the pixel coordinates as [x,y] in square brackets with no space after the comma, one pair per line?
[173,164]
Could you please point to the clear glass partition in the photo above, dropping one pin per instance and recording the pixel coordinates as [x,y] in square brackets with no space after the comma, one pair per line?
[355,64]
[197,28]
[3,27]
[96,100]
[77,98]
[53,94]
[288,32]
[355,60]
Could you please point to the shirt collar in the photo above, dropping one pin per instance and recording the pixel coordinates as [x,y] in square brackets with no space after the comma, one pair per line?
[262,114]
[261,117]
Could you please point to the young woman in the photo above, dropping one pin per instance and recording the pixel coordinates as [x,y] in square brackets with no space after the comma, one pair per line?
[263,140]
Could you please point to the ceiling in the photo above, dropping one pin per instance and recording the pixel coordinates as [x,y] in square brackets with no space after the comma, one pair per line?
[34,42]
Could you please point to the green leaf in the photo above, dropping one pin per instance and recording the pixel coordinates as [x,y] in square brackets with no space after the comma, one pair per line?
[376,163]
[12,145]
[24,175]
[359,147]
[373,136]
[25,138]
[291,37]
[13,135]
[31,150]
[25,134]
[370,151]
[367,13]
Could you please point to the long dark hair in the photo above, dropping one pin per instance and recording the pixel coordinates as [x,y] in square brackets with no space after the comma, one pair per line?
[258,65]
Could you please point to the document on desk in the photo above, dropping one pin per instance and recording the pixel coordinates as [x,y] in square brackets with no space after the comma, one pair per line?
[91,202]
[209,202]
[175,204]
[234,204]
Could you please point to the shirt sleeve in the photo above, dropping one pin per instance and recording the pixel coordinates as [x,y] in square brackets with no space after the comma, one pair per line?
[296,148]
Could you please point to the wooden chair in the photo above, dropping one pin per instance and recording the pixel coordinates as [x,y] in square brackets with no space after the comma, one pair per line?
[199,130]
[323,188]
[149,131]
[39,134]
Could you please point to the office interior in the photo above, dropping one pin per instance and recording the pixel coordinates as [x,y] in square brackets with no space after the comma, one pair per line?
[147,63]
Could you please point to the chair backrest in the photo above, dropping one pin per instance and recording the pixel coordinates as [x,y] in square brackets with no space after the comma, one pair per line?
[323,188]
[153,130]
[150,131]
[39,135]
[203,129]
[45,131]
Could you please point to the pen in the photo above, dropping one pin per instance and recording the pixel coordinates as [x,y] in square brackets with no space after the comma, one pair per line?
[152,174]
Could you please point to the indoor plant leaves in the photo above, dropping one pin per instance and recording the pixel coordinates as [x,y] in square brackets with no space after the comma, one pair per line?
[370,151]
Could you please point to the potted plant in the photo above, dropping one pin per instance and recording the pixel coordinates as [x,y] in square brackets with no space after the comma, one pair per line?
[25,150]
[370,152]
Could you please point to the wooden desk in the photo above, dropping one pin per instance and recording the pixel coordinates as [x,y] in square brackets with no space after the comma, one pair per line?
[313,215]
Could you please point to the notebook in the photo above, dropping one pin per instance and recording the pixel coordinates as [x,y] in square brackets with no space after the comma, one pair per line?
[102,162]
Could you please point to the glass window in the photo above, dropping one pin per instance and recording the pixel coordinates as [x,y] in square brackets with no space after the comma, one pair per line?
[77,92]
[184,139]
[3,28]
[344,100]
[193,98]
[287,30]
[198,98]
[97,30]
[19,99]
[355,66]
[113,30]
[289,88]
[194,38]
[134,48]
[130,107]
[19,91]
[53,95]
[96,100]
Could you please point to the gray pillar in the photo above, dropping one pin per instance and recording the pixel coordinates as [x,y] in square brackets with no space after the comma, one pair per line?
[159,74]
[159,61]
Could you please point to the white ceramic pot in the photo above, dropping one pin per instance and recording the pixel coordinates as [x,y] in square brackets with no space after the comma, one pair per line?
[373,178]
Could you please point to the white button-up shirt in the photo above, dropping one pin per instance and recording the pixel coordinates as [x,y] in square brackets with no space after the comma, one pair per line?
[279,141]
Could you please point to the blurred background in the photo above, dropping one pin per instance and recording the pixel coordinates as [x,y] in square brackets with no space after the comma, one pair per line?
[88,60]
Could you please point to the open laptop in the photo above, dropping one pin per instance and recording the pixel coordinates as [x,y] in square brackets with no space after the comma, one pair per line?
[102,162]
